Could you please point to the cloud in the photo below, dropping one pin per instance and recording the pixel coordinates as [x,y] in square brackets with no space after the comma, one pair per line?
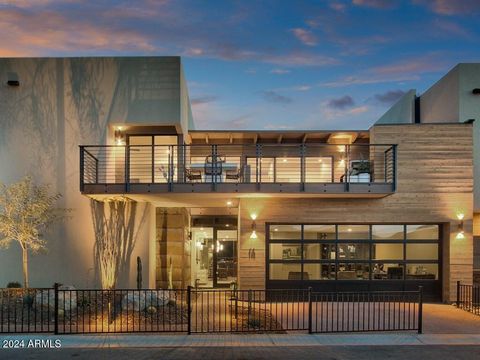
[279,71]
[302,87]
[337,6]
[451,7]
[389,97]
[203,100]
[377,4]
[272,96]
[341,103]
[305,36]
[428,63]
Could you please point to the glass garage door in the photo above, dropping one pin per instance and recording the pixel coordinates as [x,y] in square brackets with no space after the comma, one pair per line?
[343,257]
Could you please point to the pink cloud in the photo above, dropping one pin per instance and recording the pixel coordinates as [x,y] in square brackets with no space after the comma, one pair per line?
[305,36]
[451,7]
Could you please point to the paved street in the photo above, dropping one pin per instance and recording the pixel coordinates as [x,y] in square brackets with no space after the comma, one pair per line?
[291,352]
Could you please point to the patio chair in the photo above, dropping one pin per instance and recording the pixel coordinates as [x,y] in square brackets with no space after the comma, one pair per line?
[213,165]
[193,175]
[234,174]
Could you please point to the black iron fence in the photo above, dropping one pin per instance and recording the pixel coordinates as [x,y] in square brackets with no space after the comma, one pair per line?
[192,310]
[468,298]
[306,164]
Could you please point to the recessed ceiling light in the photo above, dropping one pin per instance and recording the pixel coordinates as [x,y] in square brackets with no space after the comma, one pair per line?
[229,203]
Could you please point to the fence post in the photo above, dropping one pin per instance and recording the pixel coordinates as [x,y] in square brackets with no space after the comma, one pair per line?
[420,309]
[55,308]
[189,309]
[458,294]
[310,310]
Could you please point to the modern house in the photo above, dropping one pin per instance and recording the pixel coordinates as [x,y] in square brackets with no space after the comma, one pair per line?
[386,208]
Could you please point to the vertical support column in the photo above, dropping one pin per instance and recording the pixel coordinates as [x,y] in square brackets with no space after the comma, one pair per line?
[189,309]
[82,168]
[55,308]
[310,327]
[258,167]
[302,167]
[420,309]
[153,162]
[347,168]
[458,294]
[127,169]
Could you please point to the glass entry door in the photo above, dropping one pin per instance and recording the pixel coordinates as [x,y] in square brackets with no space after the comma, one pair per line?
[214,246]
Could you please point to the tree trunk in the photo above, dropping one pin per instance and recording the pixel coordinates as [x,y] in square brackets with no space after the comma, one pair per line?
[25,267]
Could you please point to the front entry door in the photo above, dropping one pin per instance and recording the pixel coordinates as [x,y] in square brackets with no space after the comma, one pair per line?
[215,249]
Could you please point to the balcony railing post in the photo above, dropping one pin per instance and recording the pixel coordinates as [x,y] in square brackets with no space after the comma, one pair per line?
[127,168]
[458,294]
[82,168]
[171,169]
[153,163]
[347,168]
[302,167]
[258,165]
[394,168]
[214,167]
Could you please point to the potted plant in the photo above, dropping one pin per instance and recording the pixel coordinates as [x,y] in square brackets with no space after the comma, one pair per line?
[360,171]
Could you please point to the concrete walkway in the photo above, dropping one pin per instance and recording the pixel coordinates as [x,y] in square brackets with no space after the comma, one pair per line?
[255,340]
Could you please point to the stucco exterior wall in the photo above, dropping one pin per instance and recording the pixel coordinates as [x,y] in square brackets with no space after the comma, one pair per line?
[60,104]
[402,112]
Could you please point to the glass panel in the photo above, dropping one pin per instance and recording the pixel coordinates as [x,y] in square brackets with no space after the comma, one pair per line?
[319,271]
[353,232]
[422,251]
[318,169]
[285,272]
[226,256]
[387,252]
[166,140]
[422,232]
[387,232]
[202,269]
[288,170]
[353,251]
[288,232]
[387,271]
[422,271]
[140,140]
[319,232]
[285,251]
[348,271]
[319,251]
[140,164]
[267,167]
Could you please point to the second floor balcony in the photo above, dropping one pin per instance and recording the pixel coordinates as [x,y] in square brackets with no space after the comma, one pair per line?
[358,169]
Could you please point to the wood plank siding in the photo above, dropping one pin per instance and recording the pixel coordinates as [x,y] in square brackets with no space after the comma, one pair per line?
[434,184]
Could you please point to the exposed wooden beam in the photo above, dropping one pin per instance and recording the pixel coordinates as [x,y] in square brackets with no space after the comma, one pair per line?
[255,139]
[231,138]
[304,140]
[206,138]
[279,139]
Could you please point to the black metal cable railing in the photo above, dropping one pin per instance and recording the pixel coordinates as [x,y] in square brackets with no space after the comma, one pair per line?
[238,164]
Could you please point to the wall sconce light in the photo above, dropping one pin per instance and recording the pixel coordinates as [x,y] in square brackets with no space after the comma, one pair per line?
[254,227]
[13,83]
[460,231]
[119,136]
[476,91]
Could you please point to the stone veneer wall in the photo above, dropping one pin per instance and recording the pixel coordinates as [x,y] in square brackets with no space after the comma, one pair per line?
[172,247]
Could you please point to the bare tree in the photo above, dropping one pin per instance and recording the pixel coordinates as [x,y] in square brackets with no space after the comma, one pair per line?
[26,212]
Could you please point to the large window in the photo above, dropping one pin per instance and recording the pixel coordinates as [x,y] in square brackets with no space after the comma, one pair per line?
[353,252]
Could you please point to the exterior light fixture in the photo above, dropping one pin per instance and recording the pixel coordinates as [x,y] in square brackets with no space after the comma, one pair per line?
[119,136]
[284,160]
[460,230]
[229,203]
[476,91]
[13,83]
[254,227]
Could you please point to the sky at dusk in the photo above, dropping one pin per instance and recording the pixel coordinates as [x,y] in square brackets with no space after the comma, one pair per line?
[264,64]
